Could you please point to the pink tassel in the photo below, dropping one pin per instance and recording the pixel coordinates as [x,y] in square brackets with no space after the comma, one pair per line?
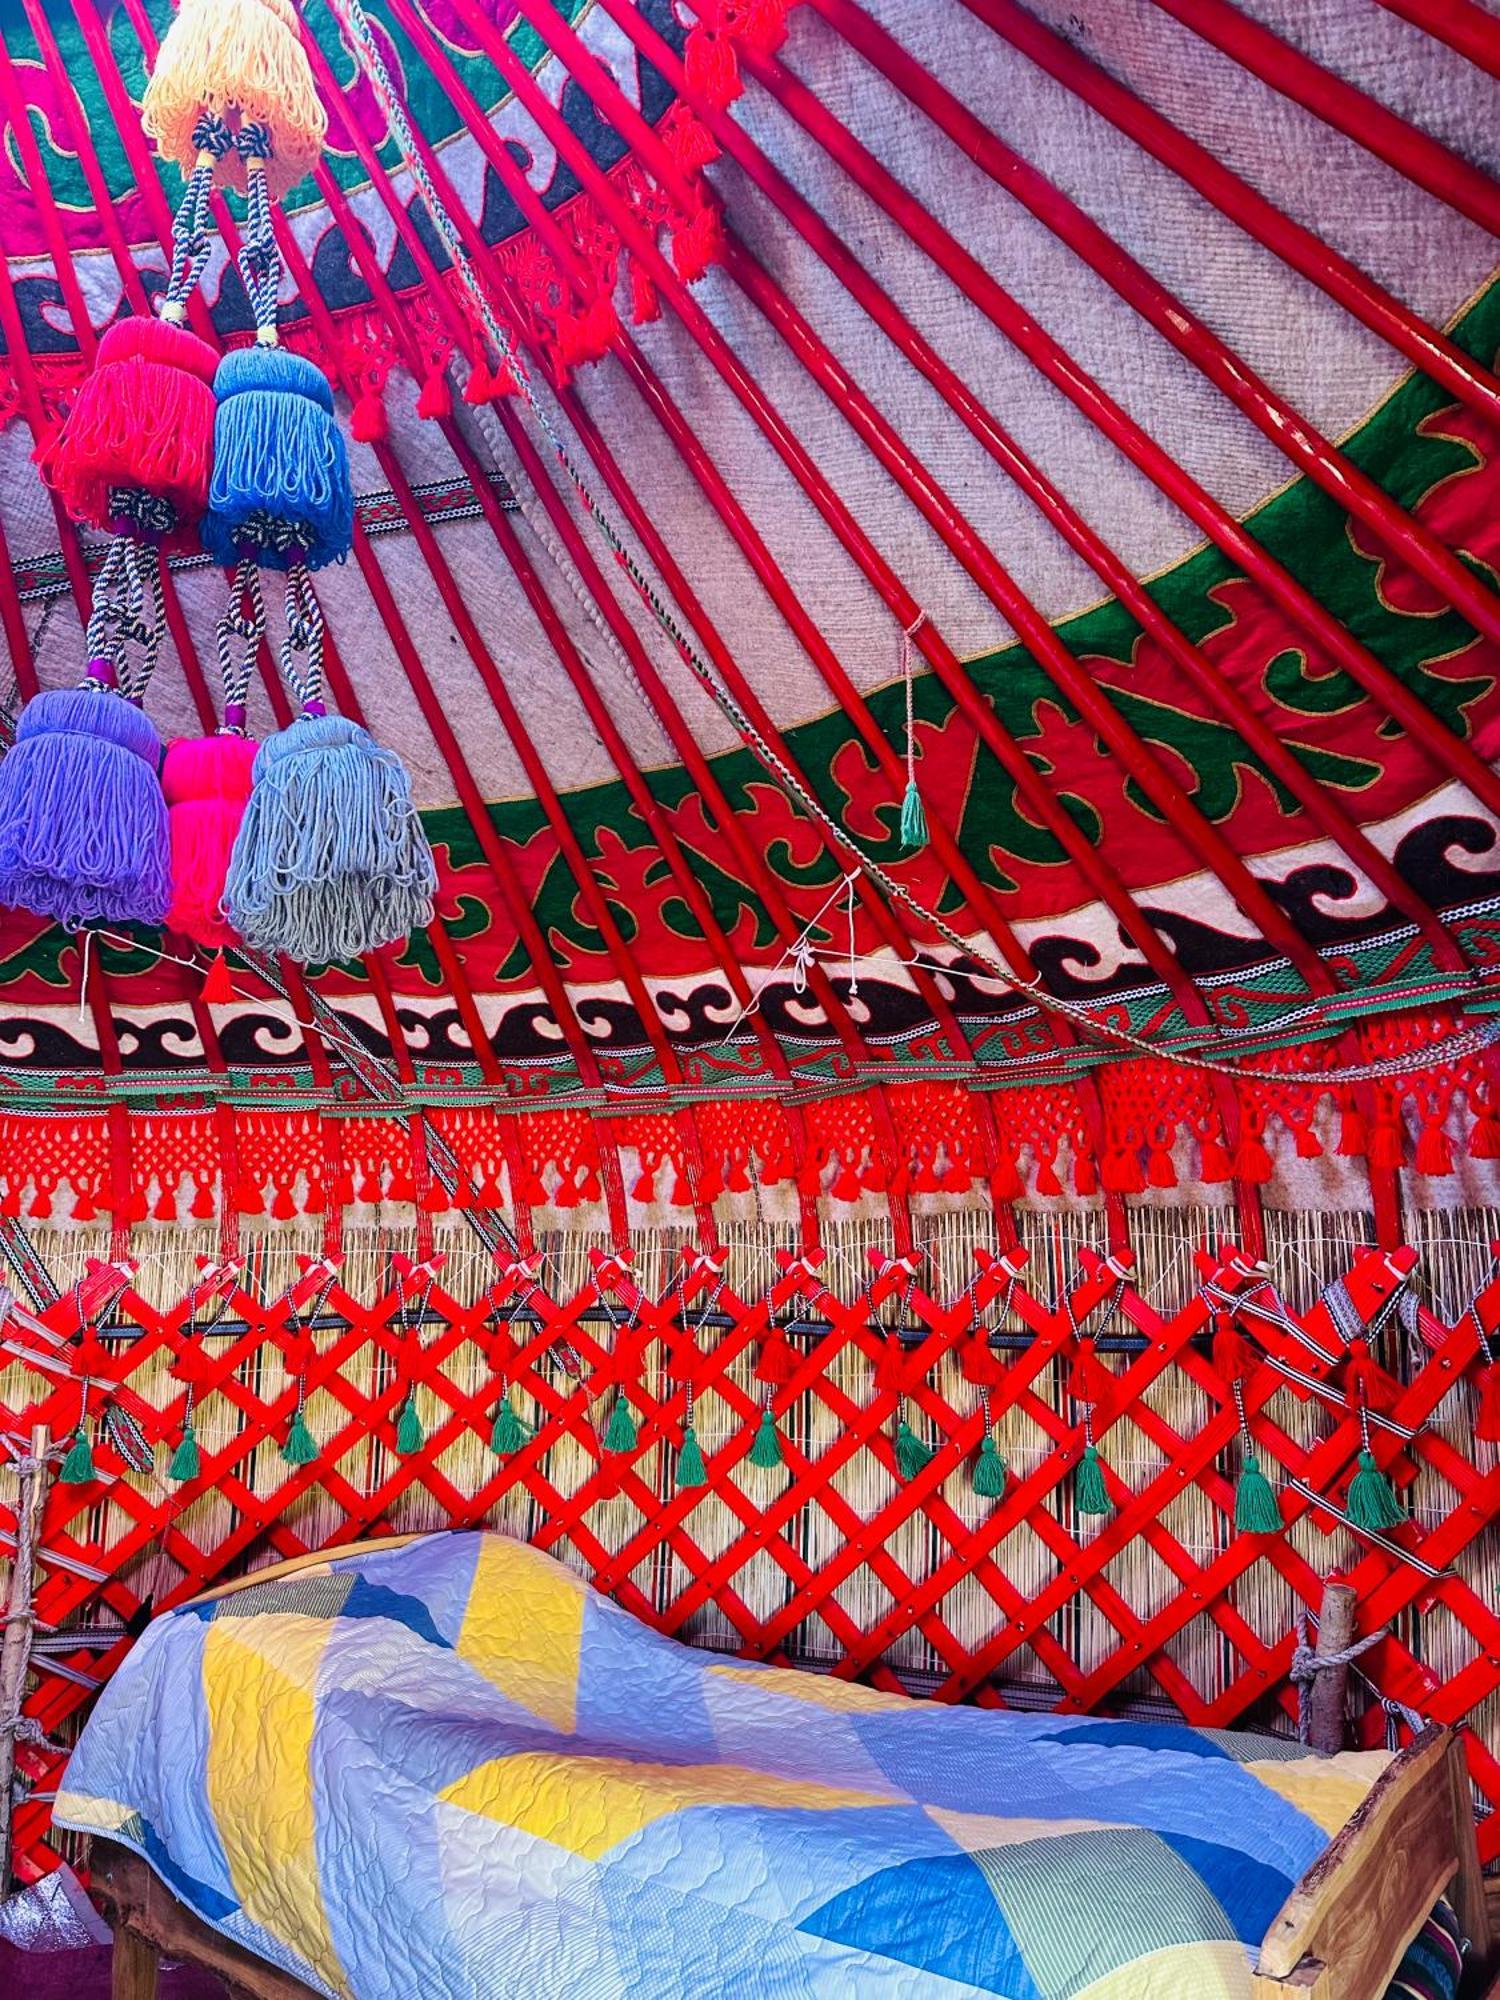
[206,780]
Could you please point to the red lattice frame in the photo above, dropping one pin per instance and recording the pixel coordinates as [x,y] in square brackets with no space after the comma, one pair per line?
[91,1549]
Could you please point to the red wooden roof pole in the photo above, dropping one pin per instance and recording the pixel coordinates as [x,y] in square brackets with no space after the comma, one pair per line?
[665,709]
[354,236]
[1200,838]
[150,187]
[567,654]
[903,605]
[1306,447]
[839,1018]
[130,280]
[1462,24]
[661,701]
[1413,153]
[1450,754]
[1369,302]
[1267,745]
[1039,800]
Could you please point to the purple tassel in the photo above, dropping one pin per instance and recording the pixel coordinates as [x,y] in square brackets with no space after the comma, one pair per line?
[83,823]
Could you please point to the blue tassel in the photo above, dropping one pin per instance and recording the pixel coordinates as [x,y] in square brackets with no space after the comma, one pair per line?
[331,859]
[83,823]
[278,453]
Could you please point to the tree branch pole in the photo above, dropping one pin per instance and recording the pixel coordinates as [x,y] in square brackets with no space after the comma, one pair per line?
[15,1646]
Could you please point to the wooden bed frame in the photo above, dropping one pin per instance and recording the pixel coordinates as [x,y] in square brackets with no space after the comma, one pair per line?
[1339,1936]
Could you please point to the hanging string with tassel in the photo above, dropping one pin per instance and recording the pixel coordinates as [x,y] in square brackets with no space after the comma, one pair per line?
[510,1432]
[1090,1386]
[300,1447]
[985,1370]
[1256,1511]
[913,818]
[1371,1502]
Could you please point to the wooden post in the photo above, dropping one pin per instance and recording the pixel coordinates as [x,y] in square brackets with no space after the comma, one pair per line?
[1329,1690]
[15,1646]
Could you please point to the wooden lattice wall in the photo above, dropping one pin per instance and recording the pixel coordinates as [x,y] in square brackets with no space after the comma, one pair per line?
[830,1557]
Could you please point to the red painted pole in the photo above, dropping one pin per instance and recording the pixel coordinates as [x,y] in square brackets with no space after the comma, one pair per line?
[1369,302]
[1301,441]
[1470,29]
[1449,753]
[1358,116]
[1080,536]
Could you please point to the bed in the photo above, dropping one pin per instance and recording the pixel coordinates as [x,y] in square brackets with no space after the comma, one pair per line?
[446,1767]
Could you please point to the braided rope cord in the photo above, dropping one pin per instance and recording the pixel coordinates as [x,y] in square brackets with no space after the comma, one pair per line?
[301,653]
[355,23]
[237,638]
[190,225]
[127,617]
[259,260]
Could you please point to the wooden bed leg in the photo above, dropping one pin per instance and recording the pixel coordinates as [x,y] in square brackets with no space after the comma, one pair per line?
[1467,1893]
[132,1967]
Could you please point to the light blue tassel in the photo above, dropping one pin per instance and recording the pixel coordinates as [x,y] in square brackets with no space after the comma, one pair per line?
[913,818]
[331,859]
[83,823]
[278,453]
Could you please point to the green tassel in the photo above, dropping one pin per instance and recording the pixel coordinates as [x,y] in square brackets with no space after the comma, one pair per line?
[409,1432]
[691,1471]
[913,818]
[1372,1503]
[187,1461]
[511,1430]
[1090,1494]
[766,1450]
[77,1468]
[989,1470]
[299,1448]
[622,1434]
[1256,1510]
[912,1456]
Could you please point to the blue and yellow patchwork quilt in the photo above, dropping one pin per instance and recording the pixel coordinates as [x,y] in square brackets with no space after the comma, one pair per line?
[449,1768]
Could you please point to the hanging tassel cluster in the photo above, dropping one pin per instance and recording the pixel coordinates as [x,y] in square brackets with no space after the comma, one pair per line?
[241,62]
[206,782]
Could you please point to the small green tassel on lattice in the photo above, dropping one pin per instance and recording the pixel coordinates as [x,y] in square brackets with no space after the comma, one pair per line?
[691,1471]
[1090,1494]
[913,818]
[1256,1510]
[187,1462]
[912,1455]
[409,1433]
[1372,1503]
[766,1449]
[511,1431]
[989,1470]
[300,1447]
[621,1434]
[77,1469]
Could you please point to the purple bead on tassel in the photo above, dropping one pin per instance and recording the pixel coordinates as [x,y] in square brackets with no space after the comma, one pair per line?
[83,823]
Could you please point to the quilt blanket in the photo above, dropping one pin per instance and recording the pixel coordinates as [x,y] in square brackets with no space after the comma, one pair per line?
[448,1767]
